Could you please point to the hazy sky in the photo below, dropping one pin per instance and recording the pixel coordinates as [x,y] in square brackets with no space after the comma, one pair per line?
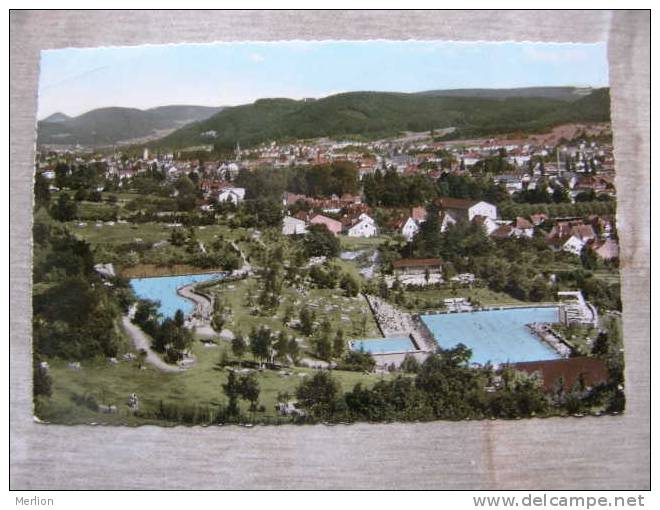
[74,81]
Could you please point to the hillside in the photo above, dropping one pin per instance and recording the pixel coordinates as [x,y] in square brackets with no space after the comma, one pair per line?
[379,114]
[106,126]
[57,117]
[560,93]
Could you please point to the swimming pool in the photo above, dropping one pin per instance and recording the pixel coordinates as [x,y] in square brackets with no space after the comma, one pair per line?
[163,289]
[383,345]
[497,336]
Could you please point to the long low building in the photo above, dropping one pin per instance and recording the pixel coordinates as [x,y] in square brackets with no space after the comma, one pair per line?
[566,371]
[417,266]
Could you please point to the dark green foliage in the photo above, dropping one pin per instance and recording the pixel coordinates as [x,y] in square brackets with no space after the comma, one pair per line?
[65,209]
[238,346]
[358,361]
[41,191]
[261,344]
[395,190]
[475,187]
[410,364]
[42,382]
[319,241]
[350,285]
[318,394]
[380,114]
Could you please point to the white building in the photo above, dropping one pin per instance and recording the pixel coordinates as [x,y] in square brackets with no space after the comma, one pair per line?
[573,245]
[409,229]
[233,195]
[293,226]
[365,227]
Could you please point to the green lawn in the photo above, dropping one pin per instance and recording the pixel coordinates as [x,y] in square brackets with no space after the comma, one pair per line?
[433,298]
[200,385]
[342,312]
[359,243]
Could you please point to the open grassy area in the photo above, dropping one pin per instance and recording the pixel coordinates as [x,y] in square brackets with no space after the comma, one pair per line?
[359,243]
[342,312]
[200,385]
[433,298]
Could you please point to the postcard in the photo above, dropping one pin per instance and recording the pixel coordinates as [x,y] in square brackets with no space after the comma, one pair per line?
[325,232]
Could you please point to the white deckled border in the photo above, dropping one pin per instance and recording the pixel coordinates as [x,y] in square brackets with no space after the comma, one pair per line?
[607,452]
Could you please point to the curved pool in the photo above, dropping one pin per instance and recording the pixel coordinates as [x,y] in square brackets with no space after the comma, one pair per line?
[163,289]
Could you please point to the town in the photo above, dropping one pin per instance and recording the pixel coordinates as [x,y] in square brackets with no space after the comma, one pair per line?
[330,280]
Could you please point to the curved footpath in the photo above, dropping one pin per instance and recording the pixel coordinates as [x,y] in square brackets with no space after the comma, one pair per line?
[141,341]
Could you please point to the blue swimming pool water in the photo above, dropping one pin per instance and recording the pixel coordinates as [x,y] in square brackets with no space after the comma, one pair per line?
[383,345]
[163,289]
[497,336]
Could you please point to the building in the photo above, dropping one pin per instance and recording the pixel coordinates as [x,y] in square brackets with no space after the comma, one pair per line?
[607,249]
[522,227]
[409,229]
[417,266]
[333,226]
[462,209]
[230,194]
[574,310]
[293,226]
[364,226]
[488,224]
[565,373]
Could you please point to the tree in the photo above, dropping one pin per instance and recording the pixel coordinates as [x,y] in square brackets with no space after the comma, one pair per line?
[427,241]
[261,344]
[323,343]
[65,209]
[281,346]
[248,389]
[318,394]
[41,191]
[359,361]
[319,241]
[238,346]
[350,285]
[42,383]
[338,344]
[307,319]
[589,258]
[232,390]
[410,364]
[178,237]
[294,350]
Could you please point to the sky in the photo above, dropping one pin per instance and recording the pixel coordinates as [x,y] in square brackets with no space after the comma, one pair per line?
[76,80]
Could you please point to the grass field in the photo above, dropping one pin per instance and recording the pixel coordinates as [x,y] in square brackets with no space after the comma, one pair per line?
[200,385]
[433,298]
[342,312]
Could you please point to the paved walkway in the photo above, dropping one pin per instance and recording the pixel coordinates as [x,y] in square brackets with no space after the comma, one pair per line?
[141,341]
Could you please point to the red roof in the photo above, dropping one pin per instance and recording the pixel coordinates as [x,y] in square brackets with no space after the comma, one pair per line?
[592,370]
[455,203]
[398,264]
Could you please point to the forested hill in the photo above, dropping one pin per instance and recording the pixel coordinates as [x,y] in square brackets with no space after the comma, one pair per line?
[562,93]
[106,126]
[374,115]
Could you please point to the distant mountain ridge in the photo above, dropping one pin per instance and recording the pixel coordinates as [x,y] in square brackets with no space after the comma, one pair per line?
[57,117]
[372,115]
[107,126]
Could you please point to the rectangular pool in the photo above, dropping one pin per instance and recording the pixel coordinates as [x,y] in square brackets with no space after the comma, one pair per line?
[163,289]
[496,336]
[383,345]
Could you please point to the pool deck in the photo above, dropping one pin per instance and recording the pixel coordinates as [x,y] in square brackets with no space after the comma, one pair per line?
[393,322]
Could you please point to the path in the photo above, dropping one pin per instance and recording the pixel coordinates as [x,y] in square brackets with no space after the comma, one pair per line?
[141,341]
[247,268]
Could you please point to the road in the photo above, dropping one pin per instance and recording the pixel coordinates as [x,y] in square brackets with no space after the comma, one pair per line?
[141,341]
